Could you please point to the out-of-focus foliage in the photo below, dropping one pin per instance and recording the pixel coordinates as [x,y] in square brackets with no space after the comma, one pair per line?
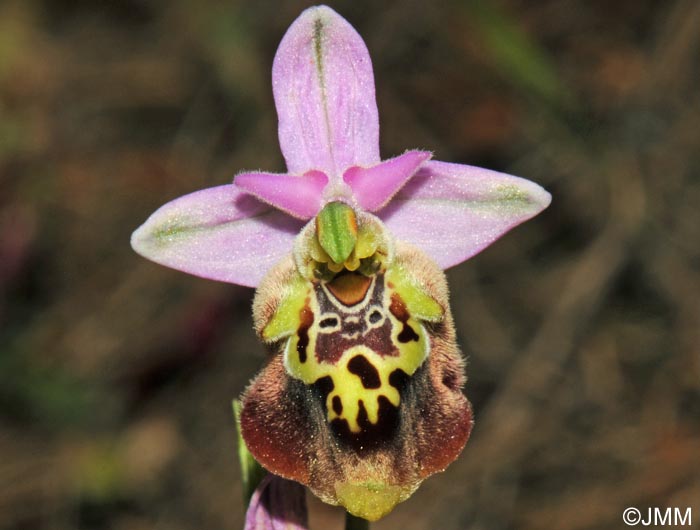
[581,327]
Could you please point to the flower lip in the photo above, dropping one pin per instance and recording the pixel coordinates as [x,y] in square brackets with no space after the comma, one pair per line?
[337,408]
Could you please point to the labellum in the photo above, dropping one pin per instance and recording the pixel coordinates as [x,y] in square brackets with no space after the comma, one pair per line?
[366,375]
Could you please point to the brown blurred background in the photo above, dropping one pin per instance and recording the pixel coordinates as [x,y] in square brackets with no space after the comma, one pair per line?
[581,326]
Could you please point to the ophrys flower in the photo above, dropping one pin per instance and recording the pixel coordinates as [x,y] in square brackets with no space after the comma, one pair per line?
[362,398]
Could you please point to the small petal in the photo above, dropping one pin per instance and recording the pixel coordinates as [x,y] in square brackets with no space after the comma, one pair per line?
[219,233]
[298,196]
[374,186]
[453,211]
[277,504]
[324,92]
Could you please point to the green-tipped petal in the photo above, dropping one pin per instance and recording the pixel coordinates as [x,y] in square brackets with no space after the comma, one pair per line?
[219,233]
[453,211]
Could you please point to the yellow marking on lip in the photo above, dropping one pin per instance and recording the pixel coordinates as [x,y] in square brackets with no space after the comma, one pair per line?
[287,319]
[410,349]
[349,388]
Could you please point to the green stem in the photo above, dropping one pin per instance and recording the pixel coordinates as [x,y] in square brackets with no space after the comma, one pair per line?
[355,523]
[251,472]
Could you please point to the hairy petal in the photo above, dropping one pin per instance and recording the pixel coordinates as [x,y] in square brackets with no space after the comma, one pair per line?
[373,187]
[277,504]
[298,196]
[219,233]
[324,92]
[453,211]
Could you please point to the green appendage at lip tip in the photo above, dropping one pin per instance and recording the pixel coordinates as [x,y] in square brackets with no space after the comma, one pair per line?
[336,228]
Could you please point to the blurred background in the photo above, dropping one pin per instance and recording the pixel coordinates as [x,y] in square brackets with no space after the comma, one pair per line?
[581,326]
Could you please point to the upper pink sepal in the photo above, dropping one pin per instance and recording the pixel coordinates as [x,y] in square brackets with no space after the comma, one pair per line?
[453,211]
[323,86]
[298,196]
[219,233]
[373,187]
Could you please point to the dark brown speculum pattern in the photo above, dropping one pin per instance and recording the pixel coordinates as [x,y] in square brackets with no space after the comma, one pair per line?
[362,400]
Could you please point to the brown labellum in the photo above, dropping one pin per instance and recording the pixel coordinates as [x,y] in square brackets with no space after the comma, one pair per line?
[408,421]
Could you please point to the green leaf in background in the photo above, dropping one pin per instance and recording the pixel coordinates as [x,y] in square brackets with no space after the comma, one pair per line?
[45,394]
[519,58]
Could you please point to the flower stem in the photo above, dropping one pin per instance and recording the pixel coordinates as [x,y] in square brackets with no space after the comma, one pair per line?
[355,523]
[251,472]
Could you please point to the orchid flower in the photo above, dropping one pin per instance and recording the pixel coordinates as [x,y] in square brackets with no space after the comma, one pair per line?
[361,399]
